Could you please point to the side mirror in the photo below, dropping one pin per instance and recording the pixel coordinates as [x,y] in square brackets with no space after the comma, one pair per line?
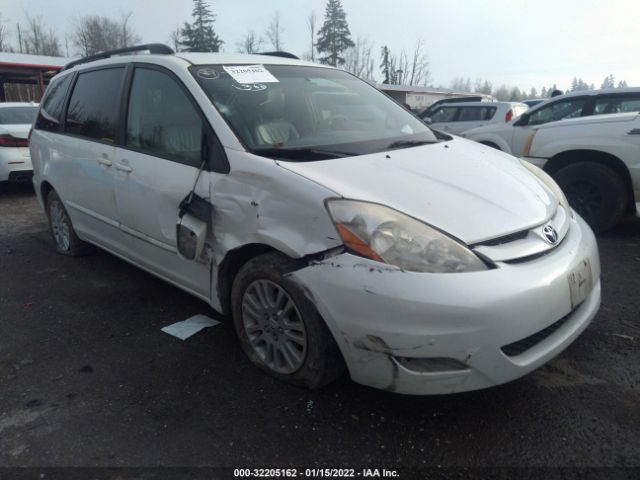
[191,228]
[190,235]
[427,120]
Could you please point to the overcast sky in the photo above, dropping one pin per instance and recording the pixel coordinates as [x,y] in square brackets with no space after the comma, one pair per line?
[514,42]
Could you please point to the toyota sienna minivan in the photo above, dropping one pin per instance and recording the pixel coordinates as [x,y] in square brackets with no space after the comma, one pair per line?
[333,226]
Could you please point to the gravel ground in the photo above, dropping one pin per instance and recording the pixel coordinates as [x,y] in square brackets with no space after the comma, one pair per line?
[88,379]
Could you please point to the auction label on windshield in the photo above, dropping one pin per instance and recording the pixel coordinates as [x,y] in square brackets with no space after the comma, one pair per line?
[250,74]
[315,472]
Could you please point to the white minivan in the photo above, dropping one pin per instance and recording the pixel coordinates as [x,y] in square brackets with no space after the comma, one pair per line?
[333,226]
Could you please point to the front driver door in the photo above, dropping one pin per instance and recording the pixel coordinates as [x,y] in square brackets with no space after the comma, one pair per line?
[155,169]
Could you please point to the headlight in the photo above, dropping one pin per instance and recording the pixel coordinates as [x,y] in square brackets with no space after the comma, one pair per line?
[386,235]
[550,183]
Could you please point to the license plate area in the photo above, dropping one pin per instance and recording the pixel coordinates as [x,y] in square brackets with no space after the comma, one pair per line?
[580,282]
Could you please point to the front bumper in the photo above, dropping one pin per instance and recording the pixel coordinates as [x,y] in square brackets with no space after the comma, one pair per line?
[380,315]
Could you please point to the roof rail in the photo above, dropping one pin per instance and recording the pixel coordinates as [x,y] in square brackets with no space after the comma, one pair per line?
[280,54]
[151,47]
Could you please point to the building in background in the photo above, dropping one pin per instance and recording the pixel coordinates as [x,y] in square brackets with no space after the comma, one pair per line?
[24,77]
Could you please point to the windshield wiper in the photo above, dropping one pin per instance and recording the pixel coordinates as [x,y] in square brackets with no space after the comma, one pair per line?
[407,144]
[301,153]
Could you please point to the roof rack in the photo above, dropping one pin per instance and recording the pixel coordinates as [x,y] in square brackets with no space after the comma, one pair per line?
[280,54]
[150,47]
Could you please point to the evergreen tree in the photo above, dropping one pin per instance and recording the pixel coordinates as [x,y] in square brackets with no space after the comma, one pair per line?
[385,66]
[199,36]
[334,37]
[609,82]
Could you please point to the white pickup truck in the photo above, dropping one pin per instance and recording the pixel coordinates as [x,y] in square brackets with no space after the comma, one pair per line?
[595,160]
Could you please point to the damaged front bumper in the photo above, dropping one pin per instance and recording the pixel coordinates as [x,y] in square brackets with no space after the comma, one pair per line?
[426,333]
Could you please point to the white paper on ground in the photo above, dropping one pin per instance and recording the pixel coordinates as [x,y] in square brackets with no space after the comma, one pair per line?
[250,74]
[190,326]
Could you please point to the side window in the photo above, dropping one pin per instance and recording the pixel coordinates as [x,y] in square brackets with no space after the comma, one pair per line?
[617,104]
[470,114]
[476,114]
[444,114]
[162,120]
[568,108]
[50,113]
[93,107]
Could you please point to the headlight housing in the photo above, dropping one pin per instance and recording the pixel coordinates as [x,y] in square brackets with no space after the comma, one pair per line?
[386,235]
[550,183]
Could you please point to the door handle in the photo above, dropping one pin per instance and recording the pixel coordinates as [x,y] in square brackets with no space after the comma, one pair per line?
[124,168]
[104,161]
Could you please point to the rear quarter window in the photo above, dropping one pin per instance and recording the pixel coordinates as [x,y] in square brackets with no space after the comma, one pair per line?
[476,114]
[93,106]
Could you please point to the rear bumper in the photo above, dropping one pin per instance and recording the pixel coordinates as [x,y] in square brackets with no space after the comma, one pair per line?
[381,316]
[15,162]
[20,176]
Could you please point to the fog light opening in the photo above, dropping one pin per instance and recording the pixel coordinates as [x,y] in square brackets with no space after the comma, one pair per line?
[431,364]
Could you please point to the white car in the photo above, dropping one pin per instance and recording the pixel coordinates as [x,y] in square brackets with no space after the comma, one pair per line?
[511,137]
[457,118]
[332,225]
[15,123]
[595,160]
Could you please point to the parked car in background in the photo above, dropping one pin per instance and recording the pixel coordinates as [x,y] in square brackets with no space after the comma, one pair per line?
[512,136]
[333,227]
[596,162]
[459,117]
[15,123]
[427,112]
[532,102]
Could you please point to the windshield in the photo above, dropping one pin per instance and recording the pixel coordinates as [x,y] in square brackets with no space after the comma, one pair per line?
[308,113]
[17,115]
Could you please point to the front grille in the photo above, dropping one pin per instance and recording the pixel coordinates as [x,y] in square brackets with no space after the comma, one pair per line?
[521,346]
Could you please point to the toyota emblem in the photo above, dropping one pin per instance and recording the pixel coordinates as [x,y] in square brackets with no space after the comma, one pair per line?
[549,233]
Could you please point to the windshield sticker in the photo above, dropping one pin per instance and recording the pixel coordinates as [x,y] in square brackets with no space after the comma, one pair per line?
[208,73]
[250,74]
[253,87]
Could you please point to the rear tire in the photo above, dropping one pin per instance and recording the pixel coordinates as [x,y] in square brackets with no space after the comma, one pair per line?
[595,191]
[64,236]
[279,328]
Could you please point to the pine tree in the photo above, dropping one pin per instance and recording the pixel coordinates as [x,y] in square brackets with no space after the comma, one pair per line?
[199,36]
[385,66]
[334,37]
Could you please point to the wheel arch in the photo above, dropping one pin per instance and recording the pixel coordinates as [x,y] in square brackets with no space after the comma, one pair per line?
[563,159]
[231,265]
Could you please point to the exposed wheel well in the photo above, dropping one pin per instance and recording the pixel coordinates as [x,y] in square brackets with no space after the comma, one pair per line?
[230,266]
[606,159]
[45,188]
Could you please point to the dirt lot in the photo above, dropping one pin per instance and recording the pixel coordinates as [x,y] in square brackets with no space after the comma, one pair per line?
[88,379]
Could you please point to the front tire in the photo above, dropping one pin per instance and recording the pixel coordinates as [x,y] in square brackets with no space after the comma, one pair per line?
[279,329]
[595,191]
[64,236]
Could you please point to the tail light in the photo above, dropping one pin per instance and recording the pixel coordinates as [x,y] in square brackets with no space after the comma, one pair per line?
[508,116]
[8,140]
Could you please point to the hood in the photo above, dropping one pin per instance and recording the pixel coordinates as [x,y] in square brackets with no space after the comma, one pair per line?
[18,131]
[473,192]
